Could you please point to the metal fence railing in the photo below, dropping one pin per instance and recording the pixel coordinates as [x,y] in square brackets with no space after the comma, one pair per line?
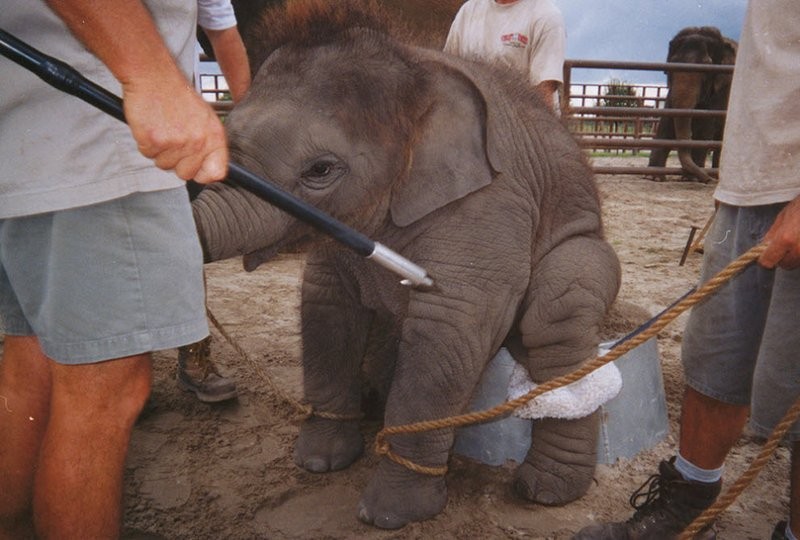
[590,112]
[214,89]
[598,125]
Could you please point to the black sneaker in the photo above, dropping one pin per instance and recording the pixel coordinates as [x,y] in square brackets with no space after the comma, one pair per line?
[198,374]
[665,505]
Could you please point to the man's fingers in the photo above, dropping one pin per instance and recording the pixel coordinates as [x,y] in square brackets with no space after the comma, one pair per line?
[214,167]
[771,256]
[780,253]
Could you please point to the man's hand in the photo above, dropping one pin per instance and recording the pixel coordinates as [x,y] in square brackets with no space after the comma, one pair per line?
[171,123]
[783,239]
[175,128]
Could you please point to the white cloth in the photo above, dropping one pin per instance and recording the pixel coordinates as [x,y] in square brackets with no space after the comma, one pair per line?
[575,400]
[528,35]
[761,154]
[215,14]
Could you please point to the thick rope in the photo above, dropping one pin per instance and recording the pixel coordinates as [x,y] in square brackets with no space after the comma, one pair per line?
[711,286]
[744,481]
[304,410]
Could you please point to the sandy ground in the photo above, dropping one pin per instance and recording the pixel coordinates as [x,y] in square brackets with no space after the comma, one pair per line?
[226,471]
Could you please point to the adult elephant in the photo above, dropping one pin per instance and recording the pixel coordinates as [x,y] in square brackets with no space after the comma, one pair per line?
[695,90]
[459,168]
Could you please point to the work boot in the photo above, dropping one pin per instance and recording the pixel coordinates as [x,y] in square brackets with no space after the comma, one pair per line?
[665,505]
[779,533]
[198,374]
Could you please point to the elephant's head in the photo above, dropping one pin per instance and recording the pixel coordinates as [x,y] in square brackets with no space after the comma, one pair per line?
[697,89]
[368,130]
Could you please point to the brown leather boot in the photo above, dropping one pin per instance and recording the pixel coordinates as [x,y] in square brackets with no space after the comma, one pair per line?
[198,374]
[668,505]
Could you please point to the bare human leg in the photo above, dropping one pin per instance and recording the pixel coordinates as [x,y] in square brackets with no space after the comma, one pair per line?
[709,429]
[78,481]
[24,408]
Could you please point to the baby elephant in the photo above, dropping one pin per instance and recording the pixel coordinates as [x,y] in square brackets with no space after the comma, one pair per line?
[461,169]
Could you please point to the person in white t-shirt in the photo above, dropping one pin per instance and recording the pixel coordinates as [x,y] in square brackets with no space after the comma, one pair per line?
[196,371]
[100,264]
[527,35]
[740,345]
[218,22]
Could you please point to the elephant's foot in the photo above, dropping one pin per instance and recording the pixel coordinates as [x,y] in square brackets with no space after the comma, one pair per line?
[397,496]
[327,445]
[560,465]
[551,483]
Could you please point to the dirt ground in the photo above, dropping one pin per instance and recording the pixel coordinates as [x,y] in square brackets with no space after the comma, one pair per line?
[226,471]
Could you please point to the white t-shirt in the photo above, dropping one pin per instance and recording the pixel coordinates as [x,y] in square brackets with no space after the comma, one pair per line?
[527,35]
[760,161]
[215,14]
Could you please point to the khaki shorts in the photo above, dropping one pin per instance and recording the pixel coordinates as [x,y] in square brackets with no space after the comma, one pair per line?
[106,281]
[742,345]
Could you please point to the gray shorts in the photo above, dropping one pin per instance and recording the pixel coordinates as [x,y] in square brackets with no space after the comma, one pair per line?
[742,345]
[105,281]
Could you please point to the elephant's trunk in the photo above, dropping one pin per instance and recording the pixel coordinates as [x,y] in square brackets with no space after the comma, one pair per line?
[686,91]
[683,131]
[231,221]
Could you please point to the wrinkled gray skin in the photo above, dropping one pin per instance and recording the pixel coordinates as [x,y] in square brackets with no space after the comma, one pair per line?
[696,90]
[468,175]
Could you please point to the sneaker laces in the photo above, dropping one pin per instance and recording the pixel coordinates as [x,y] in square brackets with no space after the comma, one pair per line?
[653,487]
[200,354]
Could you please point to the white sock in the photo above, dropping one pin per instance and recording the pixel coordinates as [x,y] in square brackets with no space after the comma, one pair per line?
[689,471]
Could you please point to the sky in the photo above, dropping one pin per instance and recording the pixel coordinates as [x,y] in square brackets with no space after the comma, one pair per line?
[638,30]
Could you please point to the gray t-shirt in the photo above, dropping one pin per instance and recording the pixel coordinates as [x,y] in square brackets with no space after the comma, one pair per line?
[761,154]
[58,152]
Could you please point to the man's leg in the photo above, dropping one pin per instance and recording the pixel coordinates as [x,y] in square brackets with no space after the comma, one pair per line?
[78,483]
[24,406]
[709,429]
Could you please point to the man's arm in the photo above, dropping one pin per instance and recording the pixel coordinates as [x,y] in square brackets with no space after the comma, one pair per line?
[171,124]
[548,90]
[232,59]
[783,239]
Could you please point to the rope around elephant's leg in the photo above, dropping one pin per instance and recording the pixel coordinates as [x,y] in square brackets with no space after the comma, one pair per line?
[383,447]
[304,410]
[747,477]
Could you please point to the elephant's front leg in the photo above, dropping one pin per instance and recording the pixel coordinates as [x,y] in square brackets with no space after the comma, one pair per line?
[439,363]
[571,291]
[334,329]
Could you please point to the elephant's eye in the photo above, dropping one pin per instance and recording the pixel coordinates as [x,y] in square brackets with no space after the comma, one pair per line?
[319,169]
[322,172]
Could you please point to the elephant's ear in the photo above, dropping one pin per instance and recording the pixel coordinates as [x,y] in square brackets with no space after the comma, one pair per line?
[450,150]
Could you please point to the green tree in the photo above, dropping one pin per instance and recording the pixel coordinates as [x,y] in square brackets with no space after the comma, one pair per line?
[618,93]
